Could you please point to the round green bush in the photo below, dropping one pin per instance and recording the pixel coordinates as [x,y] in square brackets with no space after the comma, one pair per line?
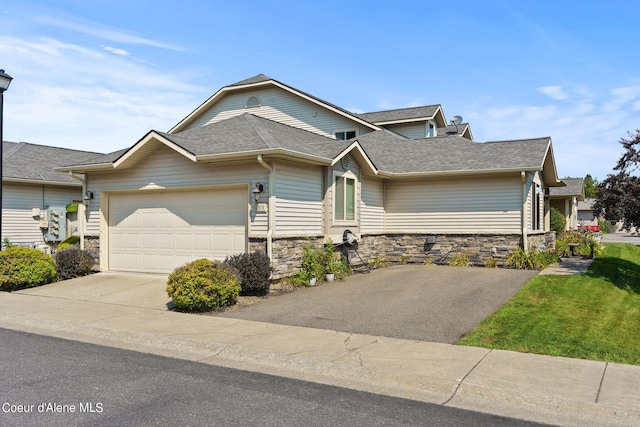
[203,285]
[25,268]
[73,262]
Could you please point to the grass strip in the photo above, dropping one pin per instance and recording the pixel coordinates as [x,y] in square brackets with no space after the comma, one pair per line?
[593,316]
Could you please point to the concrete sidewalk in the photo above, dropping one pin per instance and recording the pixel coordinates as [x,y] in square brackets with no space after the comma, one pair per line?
[539,388]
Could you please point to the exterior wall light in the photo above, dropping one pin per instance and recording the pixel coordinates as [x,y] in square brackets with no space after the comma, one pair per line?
[257,190]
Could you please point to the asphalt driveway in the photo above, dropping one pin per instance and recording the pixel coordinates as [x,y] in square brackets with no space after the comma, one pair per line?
[418,302]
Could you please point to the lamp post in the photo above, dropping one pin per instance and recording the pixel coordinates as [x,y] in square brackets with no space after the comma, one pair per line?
[5,81]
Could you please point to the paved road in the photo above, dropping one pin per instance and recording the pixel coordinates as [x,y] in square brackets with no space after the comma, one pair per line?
[418,302]
[106,386]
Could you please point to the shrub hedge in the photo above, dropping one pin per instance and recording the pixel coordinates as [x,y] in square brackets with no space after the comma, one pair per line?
[254,270]
[203,285]
[73,262]
[25,268]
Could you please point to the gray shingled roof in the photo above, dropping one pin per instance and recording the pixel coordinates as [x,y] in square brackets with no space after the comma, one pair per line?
[575,187]
[388,151]
[452,153]
[32,162]
[399,114]
[249,133]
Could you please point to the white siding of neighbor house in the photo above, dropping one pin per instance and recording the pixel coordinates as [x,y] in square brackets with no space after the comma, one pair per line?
[18,224]
[454,206]
[281,106]
[410,130]
[165,168]
[372,207]
[298,191]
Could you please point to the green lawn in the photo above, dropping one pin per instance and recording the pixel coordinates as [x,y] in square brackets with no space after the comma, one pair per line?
[594,316]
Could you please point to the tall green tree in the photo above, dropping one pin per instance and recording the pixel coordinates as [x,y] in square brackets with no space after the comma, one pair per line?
[590,185]
[618,196]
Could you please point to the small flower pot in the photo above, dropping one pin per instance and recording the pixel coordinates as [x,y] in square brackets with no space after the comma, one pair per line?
[329,277]
[312,281]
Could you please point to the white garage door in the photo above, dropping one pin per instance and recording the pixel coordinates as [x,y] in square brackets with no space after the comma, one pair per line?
[158,231]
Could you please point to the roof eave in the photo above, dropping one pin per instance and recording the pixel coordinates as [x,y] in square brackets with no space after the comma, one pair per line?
[41,182]
[85,168]
[461,172]
[220,93]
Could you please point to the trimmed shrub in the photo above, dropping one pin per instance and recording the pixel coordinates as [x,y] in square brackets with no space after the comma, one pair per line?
[73,262]
[203,285]
[25,268]
[254,270]
[68,242]
[557,221]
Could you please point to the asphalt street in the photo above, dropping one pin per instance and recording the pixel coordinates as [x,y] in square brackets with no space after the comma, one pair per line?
[50,382]
[418,302]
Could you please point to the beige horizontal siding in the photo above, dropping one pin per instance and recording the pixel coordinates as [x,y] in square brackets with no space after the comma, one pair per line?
[410,130]
[18,224]
[280,106]
[166,169]
[463,206]
[298,192]
[372,214]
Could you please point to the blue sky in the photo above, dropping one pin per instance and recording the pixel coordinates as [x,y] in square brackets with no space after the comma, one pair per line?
[97,75]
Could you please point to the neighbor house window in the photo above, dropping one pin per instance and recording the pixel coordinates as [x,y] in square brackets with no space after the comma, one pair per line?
[345,198]
[345,134]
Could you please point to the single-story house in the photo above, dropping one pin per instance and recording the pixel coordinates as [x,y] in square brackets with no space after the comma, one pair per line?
[566,200]
[31,185]
[263,166]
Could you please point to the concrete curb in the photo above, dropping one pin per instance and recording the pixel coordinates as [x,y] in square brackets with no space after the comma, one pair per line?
[538,388]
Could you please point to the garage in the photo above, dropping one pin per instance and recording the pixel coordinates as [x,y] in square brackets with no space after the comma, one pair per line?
[157,231]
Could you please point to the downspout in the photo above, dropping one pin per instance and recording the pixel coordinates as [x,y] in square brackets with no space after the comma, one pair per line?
[525,244]
[81,210]
[270,219]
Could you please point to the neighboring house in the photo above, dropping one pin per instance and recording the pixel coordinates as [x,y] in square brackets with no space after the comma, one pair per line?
[263,166]
[566,200]
[585,212]
[30,184]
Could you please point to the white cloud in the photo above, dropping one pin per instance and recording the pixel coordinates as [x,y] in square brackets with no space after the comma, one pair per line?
[585,140]
[101,31]
[116,51]
[71,96]
[554,92]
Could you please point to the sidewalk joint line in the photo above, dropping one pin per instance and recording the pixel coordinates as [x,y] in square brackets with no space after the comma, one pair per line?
[464,378]
[604,372]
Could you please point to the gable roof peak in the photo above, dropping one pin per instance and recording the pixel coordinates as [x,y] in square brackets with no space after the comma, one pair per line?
[251,80]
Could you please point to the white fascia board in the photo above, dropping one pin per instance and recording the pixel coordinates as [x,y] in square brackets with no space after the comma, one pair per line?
[355,146]
[455,173]
[41,182]
[84,168]
[213,99]
[210,101]
[243,155]
[148,139]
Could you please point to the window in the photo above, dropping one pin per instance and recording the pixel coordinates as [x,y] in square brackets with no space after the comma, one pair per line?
[535,209]
[345,134]
[345,198]
[431,130]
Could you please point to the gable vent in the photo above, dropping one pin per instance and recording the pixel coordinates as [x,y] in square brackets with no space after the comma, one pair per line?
[253,102]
